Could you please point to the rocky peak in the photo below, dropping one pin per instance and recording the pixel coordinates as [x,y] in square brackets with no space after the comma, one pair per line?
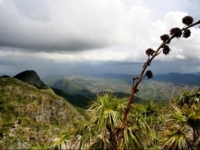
[32,78]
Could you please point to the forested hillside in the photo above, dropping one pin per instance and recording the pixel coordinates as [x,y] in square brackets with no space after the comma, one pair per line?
[90,86]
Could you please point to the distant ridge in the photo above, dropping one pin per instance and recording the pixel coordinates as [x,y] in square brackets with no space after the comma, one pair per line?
[4,76]
[192,79]
[32,78]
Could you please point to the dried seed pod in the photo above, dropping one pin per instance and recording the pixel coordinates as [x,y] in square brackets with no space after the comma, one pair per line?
[187,20]
[166,49]
[149,74]
[164,38]
[186,33]
[176,32]
[149,52]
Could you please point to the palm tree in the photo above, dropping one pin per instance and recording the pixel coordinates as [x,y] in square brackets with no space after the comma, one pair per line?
[105,113]
[106,110]
[177,138]
[193,120]
[183,129]
[101,127]
[147,118]
[105,116]
[190,106]
[187,97]
[175,133]
[132,139]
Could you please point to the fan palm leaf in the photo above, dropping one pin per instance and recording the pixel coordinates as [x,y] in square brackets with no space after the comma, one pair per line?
[131,139]
[87,132]
[177,115]
[106,110]
[101,142]
[61,142]
[177,139]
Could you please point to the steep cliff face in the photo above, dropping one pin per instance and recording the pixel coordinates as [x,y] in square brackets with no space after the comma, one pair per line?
[29,115]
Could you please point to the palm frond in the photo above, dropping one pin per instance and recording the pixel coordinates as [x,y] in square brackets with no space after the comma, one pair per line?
[61,143]
[131,139]
[107,109]
[177,115]
[177,139]
[101,142]
[87,132]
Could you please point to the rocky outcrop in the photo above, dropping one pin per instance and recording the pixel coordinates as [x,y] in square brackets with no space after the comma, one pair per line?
[32,78]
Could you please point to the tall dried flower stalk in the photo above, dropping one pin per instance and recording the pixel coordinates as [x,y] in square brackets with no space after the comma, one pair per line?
[164,47]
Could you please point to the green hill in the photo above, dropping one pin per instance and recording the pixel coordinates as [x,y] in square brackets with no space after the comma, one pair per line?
[29,115]
[67,86]
[89,85]
[148,89]
[77,100]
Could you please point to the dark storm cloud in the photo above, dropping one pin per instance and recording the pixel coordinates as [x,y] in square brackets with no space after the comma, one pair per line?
[46,25]
[45,67]
[50,46]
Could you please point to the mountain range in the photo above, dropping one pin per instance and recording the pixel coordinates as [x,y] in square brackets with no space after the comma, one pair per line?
[173,77]
[161,87]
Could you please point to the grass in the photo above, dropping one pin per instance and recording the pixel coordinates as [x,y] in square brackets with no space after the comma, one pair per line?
[30,115]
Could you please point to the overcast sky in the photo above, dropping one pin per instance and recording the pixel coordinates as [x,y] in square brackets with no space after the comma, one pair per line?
[57,37]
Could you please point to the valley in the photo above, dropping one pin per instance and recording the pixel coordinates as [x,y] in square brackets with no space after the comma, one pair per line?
[160,88]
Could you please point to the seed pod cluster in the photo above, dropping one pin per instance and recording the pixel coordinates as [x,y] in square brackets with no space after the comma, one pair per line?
[187,20]
[176,32]
[166,49]
[149,74]
[164,38]
[186,33]
[149,52]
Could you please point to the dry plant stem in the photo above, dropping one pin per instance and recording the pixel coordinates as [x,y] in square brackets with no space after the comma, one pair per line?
[198,22]
[134,87]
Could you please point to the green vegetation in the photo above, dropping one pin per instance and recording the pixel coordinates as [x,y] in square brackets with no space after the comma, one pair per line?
[113,123]
[149,126]
[38,119]
[81,101]
[29,115]
[90,86]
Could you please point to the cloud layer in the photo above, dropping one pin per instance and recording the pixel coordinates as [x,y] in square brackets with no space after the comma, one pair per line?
[92,31]
[63,25]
